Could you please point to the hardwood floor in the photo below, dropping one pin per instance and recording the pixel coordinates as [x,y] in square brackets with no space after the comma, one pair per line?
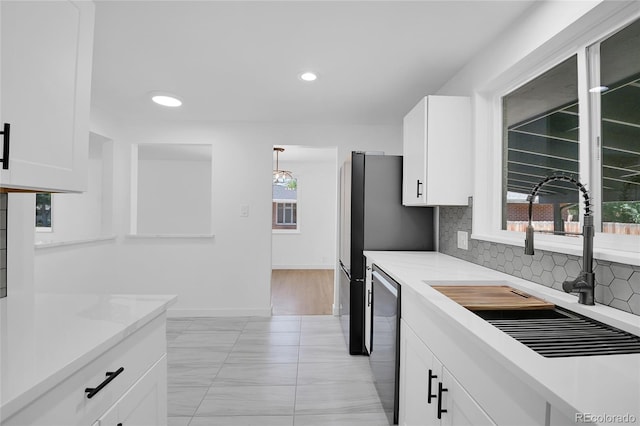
[302,291]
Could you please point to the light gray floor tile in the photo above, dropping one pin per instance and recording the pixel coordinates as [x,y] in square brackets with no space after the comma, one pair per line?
[277,326]
[321,323]
[326,373]
[196,357]
[257,374]
[171,335]
[190,375]
[248,400]
[276,339]
[275,318]
[263,354]
[218,324]
[178,324]
[363,419]
[337,399]
[178,421]
[209,339]
[332,353]
[183,401]
[323,339]
[243,421]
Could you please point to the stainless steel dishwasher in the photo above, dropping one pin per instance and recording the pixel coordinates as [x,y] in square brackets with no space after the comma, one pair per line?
[384,354]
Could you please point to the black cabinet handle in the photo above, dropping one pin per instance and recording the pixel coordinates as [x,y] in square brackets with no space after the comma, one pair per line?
[440,391]
[429,394]
[6,130]
[110,376]
[369,298]
[418,193]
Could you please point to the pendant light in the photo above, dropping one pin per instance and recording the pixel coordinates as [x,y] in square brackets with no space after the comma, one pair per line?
[281,177]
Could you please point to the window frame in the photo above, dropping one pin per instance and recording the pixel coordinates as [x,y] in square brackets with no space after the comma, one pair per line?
[275,201]
[489,158]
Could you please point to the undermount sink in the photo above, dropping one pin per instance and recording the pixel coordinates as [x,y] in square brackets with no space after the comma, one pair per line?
[558,332]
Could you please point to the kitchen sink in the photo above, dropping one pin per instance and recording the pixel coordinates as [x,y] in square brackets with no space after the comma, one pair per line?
[559,332]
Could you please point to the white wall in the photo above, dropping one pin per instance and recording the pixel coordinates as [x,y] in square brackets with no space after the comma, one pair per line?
[229,274]
[314,246]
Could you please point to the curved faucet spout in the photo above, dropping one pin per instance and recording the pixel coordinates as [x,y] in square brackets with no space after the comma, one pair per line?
[584,284]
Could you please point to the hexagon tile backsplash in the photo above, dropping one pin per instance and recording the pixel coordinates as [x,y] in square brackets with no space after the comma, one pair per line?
[617,285]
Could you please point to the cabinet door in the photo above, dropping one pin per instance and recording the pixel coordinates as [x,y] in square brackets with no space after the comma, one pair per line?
[414,150]
[417,371]
[461,409]
[144,404]
[45,84]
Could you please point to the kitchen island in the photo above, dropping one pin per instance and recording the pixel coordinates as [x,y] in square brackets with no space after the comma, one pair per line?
[53,347]
[503,379]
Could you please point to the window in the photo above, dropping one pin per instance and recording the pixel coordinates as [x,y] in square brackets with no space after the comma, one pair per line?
[540,136]
[615,99]
[43,212]
[580,117]
[286,213]
[285,206]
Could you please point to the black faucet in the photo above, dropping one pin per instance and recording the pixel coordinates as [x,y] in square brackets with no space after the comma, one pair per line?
[585,282]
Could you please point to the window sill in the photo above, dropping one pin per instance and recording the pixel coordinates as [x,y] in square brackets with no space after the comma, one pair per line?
[141,236]
[285,231]
[564,245]
[51,244]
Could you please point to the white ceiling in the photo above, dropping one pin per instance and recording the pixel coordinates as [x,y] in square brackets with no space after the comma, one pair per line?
[238,61]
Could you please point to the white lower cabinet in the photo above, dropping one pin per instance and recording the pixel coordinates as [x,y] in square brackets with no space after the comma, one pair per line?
[144,404]
[136,395]
[429,394]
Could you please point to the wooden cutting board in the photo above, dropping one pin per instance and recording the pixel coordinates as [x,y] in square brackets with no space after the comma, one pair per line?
[485,297]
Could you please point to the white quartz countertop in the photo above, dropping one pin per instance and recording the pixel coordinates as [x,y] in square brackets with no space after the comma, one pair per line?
[599,385]
[44,338]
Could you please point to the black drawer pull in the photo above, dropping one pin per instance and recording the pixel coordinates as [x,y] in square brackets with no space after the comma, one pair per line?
[110,376]
[429,394]
[440,391]
[6,130]
[418,193]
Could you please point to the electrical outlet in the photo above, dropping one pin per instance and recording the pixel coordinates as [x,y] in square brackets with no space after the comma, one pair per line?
[463,240]
[244,210]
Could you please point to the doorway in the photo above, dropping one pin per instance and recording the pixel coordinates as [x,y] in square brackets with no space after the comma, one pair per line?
[304,230]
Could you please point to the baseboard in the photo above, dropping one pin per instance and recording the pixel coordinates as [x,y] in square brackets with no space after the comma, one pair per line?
[303,266]
[180,313]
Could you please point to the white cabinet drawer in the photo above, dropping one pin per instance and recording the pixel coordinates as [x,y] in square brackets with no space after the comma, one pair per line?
[67,403]
[144,404]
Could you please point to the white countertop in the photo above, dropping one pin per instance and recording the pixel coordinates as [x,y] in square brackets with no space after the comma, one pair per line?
[44,338]
[593,384]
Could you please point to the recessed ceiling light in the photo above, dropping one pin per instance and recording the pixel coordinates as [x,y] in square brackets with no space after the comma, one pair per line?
[308,76]
[598,89]
[166,100]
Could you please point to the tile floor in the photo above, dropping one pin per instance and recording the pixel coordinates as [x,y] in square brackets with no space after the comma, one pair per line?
[278,371]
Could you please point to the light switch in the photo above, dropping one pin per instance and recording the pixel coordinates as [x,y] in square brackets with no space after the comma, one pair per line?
[244,210]
[463,240]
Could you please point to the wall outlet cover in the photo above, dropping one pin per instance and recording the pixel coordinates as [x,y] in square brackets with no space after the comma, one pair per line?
[463,240]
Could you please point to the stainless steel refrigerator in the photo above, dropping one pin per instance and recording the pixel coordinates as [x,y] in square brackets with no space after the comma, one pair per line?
[372,217]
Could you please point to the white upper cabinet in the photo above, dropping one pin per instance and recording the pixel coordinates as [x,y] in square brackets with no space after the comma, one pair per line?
[46,59]
[437,152]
